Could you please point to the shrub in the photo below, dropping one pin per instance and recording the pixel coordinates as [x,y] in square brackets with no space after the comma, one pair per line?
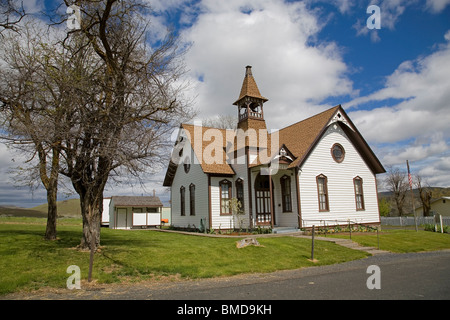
[436,228]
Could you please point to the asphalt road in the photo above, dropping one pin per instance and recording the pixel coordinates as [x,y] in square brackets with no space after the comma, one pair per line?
[402,276]
[411,276]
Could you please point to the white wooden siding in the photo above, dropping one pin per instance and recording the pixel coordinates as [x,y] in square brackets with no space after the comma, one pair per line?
[341,193]
[285,219]
[219,221]
[200,180]
[122,217]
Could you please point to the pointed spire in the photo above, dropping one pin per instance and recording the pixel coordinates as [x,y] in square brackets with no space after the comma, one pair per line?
[249,87]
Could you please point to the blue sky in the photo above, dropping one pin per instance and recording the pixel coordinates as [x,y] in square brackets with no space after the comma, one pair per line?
[308,56]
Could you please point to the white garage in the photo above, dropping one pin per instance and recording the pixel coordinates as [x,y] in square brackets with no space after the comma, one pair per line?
[127,212]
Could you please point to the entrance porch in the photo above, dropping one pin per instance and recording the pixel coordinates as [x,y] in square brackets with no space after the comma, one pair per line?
[276,203]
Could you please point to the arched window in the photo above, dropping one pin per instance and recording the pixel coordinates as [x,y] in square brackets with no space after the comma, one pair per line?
[359,194]
[240,192]
[192,199]
[322,190]
[187,164]
[285,182]
[225,196]
[182,201]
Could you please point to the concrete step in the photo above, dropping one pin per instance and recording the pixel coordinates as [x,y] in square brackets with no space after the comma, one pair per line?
[278,230]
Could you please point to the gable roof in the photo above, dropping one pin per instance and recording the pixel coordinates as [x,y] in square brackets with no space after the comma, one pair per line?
[217,168]
[299,138]
[136,201]
[222,168]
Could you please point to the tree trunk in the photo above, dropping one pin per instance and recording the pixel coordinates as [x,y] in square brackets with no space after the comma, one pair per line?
[91,211]
[51,185]
[50,231]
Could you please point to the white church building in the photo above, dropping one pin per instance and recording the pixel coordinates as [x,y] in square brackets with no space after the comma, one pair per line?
[318,171]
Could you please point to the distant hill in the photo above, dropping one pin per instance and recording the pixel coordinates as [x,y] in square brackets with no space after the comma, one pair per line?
[66,208]
[437,193]
[21,212]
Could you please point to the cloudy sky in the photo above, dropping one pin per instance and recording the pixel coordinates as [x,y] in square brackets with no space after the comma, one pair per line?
[308,56]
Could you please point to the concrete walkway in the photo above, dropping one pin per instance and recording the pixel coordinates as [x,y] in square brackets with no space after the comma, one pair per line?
[348,244]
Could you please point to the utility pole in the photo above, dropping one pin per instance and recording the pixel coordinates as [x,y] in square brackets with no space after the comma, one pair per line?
[412,195]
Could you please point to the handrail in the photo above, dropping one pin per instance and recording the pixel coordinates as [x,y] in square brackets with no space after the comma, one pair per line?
[347,222]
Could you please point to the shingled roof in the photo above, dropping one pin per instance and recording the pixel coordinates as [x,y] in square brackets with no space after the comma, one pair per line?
[136,201]
[299,138]
[249,87]
[218,168]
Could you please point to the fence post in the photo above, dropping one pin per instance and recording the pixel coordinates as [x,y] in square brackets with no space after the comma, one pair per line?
[378,237]
[312,244]
[350,228]
[440,220]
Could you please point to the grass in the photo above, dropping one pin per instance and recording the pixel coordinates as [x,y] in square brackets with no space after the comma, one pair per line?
[28,262]
[402,241]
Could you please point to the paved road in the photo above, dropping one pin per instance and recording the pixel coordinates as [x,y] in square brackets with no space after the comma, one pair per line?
[402,276]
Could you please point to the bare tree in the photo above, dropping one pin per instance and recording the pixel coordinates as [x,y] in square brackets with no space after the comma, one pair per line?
[425,194]
[11,13]
[398,185]
[125,105]
[100,102]
[33,109]
[221,122]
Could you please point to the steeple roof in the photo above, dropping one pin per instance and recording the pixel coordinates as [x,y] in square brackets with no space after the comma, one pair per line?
[249,87]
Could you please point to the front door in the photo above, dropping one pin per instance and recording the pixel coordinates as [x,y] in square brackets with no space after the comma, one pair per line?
[263,200]
[121,218]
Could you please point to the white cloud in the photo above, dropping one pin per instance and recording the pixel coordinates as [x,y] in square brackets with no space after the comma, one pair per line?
[436,172]
[391,12]
[276,39]
[437,6]
[423,89]
[416,152]
[415,126]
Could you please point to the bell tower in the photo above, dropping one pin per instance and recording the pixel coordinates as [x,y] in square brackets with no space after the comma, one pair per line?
[250,104]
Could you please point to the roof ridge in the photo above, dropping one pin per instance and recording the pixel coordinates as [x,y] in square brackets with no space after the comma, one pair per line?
[313,116]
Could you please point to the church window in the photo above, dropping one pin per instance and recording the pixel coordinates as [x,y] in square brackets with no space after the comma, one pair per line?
[192,199]
[182,201]
[240,192]
[338,152]
[322,190]
[187,164]
[359,194]
[285,182]
[225,197]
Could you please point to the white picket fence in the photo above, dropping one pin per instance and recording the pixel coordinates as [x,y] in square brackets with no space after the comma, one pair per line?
[409,221]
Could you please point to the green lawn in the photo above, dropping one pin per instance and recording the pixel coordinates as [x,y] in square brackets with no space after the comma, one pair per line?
[402,241]
[29,262]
